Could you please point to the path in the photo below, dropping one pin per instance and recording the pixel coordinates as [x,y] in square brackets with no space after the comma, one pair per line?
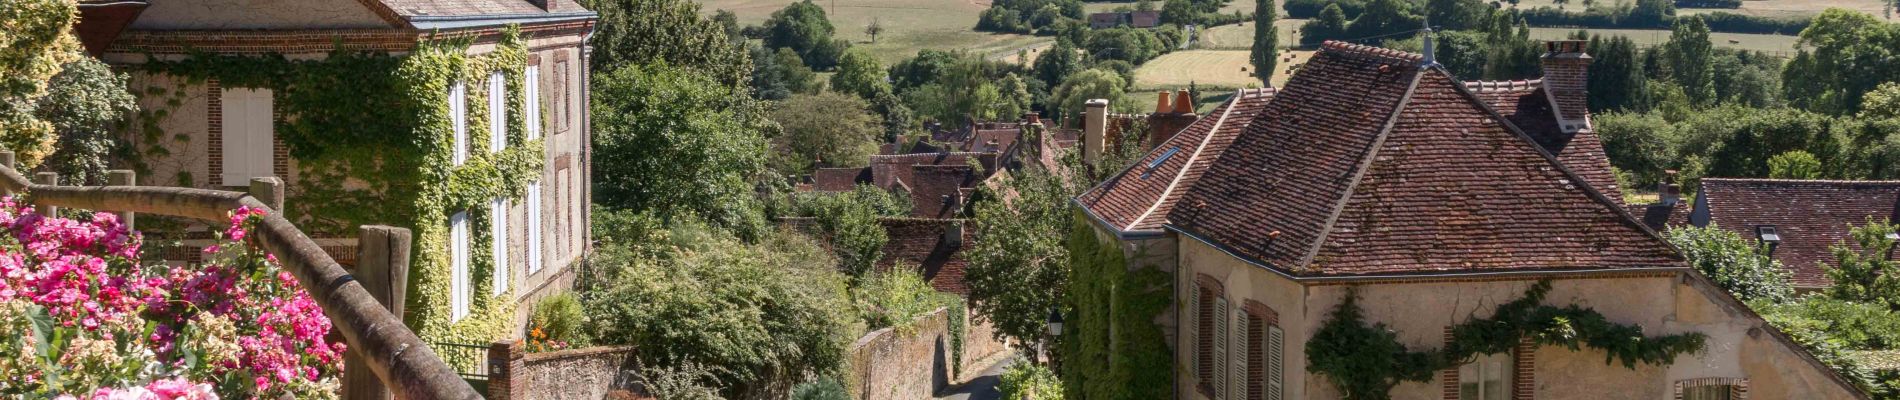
[982,387]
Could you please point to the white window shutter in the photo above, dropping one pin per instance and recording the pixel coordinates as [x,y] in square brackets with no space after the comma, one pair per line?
[531,100]
[1237,359]
[534,227]
[458,265]
[249,122]
[1221,329]
[1193,330]
[498,232]
[497,112]
[458,116]
[1276,380]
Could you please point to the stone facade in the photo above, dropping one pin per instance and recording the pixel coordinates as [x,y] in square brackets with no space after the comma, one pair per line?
[915,363]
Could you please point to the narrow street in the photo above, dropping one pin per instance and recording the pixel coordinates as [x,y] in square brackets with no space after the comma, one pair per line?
[982,387]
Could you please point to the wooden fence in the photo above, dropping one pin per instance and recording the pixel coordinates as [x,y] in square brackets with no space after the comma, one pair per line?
[394,354]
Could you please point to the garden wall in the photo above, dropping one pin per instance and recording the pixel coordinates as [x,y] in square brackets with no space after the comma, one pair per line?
[916,362]
[589,373]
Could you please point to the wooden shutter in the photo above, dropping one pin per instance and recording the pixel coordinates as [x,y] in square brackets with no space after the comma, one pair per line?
[458,265]
[1193,326]
[458,117]
[1276,375]
[1221,332]
[534,226]
[498,245]
[249,120]
[1237,358]
[497,112]
[532,100]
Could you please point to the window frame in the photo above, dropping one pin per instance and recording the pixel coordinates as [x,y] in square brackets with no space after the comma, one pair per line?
[458,117]
[458,266]
[249,134]
[1505,364]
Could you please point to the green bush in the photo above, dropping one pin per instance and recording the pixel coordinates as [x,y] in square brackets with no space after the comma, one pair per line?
[1734,263]
[1851,325]
[558,319]
[896,298]
[822,389]
[1027,381]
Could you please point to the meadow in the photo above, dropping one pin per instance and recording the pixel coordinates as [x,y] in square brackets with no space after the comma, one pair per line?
[909,25]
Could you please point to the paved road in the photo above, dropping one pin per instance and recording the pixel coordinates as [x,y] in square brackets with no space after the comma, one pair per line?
[983,387]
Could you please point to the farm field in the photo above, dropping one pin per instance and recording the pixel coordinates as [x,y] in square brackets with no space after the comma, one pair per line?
[1782,44]
[909,25]
[1245,6]
[1208,68]
[1240,36]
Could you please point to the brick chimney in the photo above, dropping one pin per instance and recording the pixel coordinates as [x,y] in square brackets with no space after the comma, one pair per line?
[1566,75]
[1162,125]
[1094,130]
[544,4]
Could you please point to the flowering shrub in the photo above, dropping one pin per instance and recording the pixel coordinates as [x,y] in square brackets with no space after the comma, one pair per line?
[94,323]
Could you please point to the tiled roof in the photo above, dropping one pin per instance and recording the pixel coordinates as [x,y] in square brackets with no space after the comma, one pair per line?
[1139,199]
[1527,105]
[839,179]
[439,8]
[936,190]
[1810,216]
[921,243]
[1368,163]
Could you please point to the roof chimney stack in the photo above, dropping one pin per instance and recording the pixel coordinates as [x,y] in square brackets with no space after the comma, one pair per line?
[1164,102]
[1094,130]
[544,4]
[1668,193]
[1183,102]
[1566,77]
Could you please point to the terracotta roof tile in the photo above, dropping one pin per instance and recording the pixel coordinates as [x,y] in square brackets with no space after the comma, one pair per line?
[839,179]
[921,243]
[1526,104]
[1139,198]
[937,190]
[1366,164]
[1810,216]
[416,8]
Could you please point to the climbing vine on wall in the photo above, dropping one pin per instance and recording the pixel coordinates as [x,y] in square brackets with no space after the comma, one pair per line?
[1111,343]
[374,142]
[1365,361]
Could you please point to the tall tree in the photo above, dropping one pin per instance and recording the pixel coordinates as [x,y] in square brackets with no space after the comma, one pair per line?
[1331,24]
[1082,86]
[677,143]
[34,43]
[803,27]
[1266,41]
[860,75]
[1853,54]
[831,129]
[83,103]
[781,74]
[1691,59]
[639,32]
[1617,81]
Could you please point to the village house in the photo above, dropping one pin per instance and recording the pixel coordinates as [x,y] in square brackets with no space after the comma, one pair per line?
[1795,221]
[463,120]
[1133,19]
[1376,176]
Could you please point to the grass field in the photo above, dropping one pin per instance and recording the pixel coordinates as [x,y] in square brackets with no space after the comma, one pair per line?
[1774,44]
[909,25]
[1245,6]
[1240,36]
[1208,68]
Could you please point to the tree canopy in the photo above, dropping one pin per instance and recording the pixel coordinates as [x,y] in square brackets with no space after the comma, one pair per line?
[678,143]
[34,44]
[639,32]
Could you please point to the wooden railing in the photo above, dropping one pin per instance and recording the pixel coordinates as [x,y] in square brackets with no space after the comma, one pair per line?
[401,360]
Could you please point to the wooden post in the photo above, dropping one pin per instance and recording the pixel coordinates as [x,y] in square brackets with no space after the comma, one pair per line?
[382,267]
[270,190]
[6,159]
[123,177]
[47,178]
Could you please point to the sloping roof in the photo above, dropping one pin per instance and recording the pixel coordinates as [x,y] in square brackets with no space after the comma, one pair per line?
[1810,216]
[461,8]
[937,190]
[1660,217]
[839,179]
[1369,163]
[1527,105]
[922,243]
[1139,198]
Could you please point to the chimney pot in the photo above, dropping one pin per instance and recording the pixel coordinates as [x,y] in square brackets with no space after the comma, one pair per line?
[1566,77]
[1183,102]
[1032,118]
[1163,102]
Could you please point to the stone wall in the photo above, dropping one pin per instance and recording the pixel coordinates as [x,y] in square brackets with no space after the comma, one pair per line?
[915,363]
[582,374]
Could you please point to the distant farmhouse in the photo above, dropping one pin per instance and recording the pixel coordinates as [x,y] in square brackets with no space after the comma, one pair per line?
[1133,19]
[464,121]
[1376,177]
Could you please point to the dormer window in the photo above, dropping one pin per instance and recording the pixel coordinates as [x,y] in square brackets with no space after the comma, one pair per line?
[1769,238]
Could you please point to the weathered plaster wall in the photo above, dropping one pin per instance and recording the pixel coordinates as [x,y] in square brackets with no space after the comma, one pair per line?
[182,130]
[257,14]
[579,374]
[1420,311]
[564,178]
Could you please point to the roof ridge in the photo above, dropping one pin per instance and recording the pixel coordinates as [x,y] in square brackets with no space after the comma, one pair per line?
[1335,46]
[1504,86]
[1812,181]
[1359,172]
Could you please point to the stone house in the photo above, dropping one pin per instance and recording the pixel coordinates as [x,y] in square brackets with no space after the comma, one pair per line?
[1795,221]
[1374,173]
[463,120]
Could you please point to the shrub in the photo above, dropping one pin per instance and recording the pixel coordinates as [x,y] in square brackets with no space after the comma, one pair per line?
[896,298]
[1734,263]
[822,389]
[556,323]
[1027,381]
[1853,325]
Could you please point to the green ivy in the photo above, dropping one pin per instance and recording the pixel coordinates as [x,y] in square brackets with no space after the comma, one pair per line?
[1110,343]
[373,139]
[1365,361]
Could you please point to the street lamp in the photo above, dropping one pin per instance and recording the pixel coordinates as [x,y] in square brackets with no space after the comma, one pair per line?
[1055,322]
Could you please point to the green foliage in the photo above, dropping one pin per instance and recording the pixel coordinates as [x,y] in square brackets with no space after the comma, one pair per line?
[688,381]
[1617,81]
[759,316]
[1366,361]
[1055,64]
[1733,263]
[1882,102]
[1028,381]
[1691,59]
[802,27]
[1110,342]
[1815,336]
[859,74]
[1133,45]
[1080,87]
[84,103]
[1330,24]
[1865,273]
[1018,269]
[897,298]
[822,389]
[1794,164]
[34,43]
[1853,54]
[1030,16]
[1735,141]
[1266,41]
[1852,325]
[848,222]
[827,129]
[677,143]
[781,74]
[957,87]
[644,32]
[559,318]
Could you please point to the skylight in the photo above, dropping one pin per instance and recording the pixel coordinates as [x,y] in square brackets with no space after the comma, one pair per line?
[1164,157]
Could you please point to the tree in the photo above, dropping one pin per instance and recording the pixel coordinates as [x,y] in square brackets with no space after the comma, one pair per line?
[676,143]
[1690,59]
[873,29]
[1266,41]
[1018,265]
[760,316]
[803,27]
[828,128]
[1455,15]
[1864,272]
[1795,164]
[1882,102]
[641,32]
[1385,17]
[1082,86]
[1617,81]
[1853,54]
[83,103]
[1180,12]
[1733,263]
[781,74]
[34,43]
[729,22]
[1057,63]
[849,224]
[1331,24]
[860,75]
[897,116]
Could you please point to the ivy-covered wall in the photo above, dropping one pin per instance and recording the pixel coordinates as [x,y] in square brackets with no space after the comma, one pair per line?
[1112,347]
[374,144]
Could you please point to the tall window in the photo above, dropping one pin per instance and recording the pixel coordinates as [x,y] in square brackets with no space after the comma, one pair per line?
[458,115]
[498,207]
[458,266]
[1203,331]
[1486,378]
[249,125]
[497,112]
[1265,378]
[534,226]
[531,100]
